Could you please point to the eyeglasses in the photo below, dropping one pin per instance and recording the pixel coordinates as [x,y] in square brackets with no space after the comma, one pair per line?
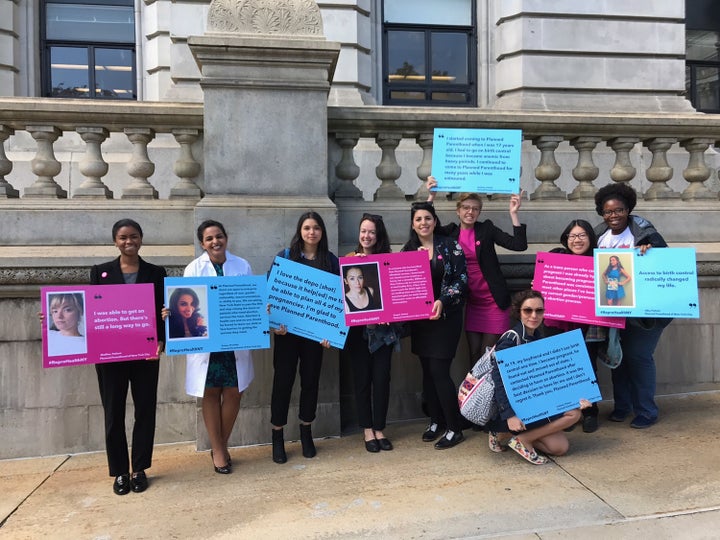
[529,311]
[469,208]
[578,236]
[614,212]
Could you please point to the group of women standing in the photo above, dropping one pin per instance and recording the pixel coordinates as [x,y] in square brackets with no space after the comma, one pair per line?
[465,272]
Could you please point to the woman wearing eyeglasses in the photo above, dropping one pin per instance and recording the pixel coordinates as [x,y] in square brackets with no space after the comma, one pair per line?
[507,430]
[370,347]
[486,311]
[578,238]
[434,340]
[634,379]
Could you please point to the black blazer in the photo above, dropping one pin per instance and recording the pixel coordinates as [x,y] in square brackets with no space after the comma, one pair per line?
[486,236]
[147,273]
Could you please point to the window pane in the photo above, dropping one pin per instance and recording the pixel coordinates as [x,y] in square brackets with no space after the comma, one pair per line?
[406,56]
[707,88]
[419,96]
[703,45]
[69,72]
[456,97]
[83,22]
[114,76]
[449,58]
[435,12]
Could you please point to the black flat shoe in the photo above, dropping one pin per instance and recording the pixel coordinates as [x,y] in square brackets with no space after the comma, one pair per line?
[385,444]
[121,486]
[449,439]
[432,432]
[138,482]
[372,446]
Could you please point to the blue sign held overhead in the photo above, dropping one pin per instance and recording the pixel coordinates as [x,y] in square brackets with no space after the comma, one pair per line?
[477,160]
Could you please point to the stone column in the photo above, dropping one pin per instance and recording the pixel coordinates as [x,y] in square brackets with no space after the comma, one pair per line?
[266,70]
[590,56]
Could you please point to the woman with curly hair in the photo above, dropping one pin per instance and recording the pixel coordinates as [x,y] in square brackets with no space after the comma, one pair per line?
[635,378]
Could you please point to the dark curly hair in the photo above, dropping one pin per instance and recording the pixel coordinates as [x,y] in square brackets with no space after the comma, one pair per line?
[619,191]
[520,297]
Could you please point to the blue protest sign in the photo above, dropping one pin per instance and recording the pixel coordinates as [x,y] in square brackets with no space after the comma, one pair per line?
[308,301]
[214,314]
[661,283]
[477,160]
[548,376]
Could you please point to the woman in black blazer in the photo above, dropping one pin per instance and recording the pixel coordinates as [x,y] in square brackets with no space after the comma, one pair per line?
[140,375]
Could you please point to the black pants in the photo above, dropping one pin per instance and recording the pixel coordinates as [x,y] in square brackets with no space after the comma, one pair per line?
[592,349]
[288,350]
[113,381]
[440,392]
[371,377]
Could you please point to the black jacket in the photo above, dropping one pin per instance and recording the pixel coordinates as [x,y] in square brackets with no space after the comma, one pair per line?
[486,236]
[147,273]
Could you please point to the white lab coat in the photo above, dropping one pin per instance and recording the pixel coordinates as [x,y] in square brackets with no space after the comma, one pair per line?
[197,364]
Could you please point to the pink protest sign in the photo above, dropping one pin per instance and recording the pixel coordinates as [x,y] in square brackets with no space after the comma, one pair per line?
[567,283]
[97,323]
[384,288]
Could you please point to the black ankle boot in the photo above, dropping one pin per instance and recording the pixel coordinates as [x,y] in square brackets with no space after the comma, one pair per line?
[278,442]
[308,446]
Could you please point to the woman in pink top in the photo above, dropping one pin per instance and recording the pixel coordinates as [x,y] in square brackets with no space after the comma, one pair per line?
[488,300]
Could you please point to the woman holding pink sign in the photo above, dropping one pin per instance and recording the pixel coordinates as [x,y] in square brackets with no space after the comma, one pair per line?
[141,376]
[435,339]
[370,347]
[486,311]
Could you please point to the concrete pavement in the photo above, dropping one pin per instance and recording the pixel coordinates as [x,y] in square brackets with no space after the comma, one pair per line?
[660,483]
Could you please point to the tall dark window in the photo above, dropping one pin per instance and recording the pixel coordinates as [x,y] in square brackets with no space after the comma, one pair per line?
[88,49]
[429,52]
[702,56]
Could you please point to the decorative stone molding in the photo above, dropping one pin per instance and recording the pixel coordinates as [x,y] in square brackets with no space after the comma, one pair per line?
[266,17]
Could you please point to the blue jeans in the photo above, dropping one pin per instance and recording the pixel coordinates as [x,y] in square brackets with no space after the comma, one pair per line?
[634,379]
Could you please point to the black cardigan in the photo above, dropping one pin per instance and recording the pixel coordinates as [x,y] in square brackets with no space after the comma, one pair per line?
[147,273]
[488,235]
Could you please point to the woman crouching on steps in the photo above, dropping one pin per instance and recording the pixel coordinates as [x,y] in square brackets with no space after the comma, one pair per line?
[506,429]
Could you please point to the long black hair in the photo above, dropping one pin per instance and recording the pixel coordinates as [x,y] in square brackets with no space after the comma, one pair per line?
[177,329]
[585,226]
[413,242]
[297,244]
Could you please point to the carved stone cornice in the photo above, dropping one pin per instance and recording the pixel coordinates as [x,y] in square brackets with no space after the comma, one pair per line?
[265,17]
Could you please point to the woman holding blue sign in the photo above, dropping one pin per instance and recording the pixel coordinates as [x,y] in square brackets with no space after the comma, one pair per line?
[141,376]
[370,348]
[219,378]
[309,246]
[435,339]
[634,379]
[546,434]
[486,311]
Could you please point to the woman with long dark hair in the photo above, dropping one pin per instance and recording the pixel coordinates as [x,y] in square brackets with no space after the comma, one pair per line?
[309,246]
[185,317]
[435,339]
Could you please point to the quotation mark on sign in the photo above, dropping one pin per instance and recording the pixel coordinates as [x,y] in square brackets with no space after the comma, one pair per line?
[213,287]
[276,264]
[97,297]
[266,331]
[386,263]
[512,179]
[692,305]
[151,339]
[343,333]
[428,302]
[541,261]
[441,136]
